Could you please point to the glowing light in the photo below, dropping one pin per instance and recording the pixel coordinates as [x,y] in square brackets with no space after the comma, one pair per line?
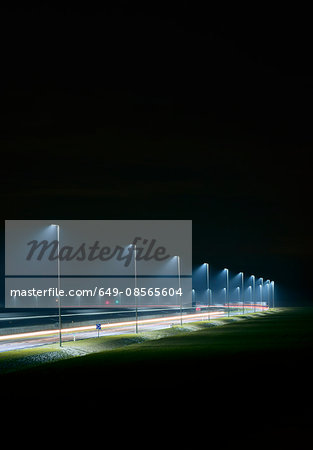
[103,326]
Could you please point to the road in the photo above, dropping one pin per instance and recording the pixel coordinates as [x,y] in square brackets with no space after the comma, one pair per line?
[26,329]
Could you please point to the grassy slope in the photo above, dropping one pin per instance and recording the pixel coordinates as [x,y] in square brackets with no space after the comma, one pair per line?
[245,376]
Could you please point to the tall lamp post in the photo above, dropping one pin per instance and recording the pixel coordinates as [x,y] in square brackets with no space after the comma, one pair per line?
[208,288]
[59,298]
[273,294]
[227,290]
[135,271]
[261,293]
[268,283]
[179,290]
[242,292]
[253,291]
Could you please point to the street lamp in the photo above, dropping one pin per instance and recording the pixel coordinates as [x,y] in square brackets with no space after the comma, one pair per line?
[208,288]
[273,294]
[59,298]
[179,289]
[135,290]
[242,292]
[268,283]
[253,291]
[261,293]
[227,290]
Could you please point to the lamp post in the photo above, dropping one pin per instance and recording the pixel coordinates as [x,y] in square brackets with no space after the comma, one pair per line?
[227,290]
[208,288]
[135,271]
[179,290]
[261,293]
[268,283]
[253,291]
[59,298]
[242,292]
[273,294]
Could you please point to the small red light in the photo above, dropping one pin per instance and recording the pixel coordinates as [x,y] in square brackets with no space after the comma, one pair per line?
[107,302]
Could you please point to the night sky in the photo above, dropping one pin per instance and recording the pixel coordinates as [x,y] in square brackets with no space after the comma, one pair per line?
[166,111]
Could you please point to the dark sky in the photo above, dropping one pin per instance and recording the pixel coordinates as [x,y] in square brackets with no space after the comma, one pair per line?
[166,111]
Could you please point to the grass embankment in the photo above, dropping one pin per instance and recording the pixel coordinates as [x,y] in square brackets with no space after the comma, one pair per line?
[253,375]
[16,360]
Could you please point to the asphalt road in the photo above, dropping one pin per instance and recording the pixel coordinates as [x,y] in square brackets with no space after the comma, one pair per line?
[13,318]
[32,328]
[112,322]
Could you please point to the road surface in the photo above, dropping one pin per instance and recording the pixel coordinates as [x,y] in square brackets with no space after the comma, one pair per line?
[28,329]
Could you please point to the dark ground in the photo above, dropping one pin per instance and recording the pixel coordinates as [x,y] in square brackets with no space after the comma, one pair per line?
[249,382]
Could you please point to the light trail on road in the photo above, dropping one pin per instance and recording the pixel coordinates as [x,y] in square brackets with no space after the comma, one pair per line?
[50,336]
[29,339]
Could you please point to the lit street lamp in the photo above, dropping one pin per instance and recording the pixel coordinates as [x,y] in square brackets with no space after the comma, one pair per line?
[253,291]
[250,295]
[208,288]
[273,294]
[179,290]
[242,292]
[268,284]
[135,290]
[59,298]
[227,290]
[261,293]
